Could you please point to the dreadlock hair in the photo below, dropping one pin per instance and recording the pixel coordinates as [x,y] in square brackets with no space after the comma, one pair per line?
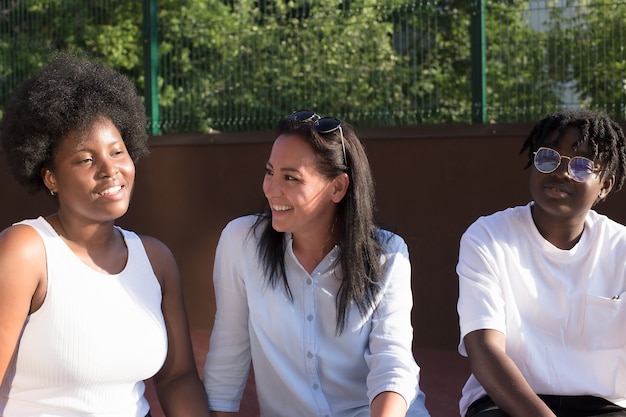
[603,135]
[69,93]
[360,242]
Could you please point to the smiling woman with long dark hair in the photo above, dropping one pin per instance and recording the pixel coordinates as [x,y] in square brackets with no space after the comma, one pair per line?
[311,291]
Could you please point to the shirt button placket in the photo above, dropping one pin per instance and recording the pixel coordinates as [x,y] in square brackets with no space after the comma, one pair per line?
[309,331]
[310,309]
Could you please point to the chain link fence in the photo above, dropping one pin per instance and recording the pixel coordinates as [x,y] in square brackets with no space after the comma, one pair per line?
[239,65]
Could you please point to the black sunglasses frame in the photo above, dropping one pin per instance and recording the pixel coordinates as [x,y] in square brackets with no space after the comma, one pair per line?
[322,125]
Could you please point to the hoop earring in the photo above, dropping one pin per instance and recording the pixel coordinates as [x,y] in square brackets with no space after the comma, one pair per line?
[52,193]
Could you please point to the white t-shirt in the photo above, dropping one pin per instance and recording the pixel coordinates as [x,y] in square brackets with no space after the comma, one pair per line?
[563,312]
[301,367]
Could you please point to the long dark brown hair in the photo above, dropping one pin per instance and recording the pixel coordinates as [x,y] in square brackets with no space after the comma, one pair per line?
[360,245]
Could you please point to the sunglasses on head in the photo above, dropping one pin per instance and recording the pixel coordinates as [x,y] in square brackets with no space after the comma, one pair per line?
[547,160]
[322,125]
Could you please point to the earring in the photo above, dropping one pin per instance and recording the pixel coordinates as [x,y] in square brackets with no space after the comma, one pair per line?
[52,193]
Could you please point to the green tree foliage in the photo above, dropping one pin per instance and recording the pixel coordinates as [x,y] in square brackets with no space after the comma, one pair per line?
[30,30]
[395,62]
[242,64]
[520,85]
[255,61]
[595,62]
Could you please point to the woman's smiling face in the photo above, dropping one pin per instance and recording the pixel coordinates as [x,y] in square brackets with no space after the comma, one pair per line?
[93,174]
[302,200]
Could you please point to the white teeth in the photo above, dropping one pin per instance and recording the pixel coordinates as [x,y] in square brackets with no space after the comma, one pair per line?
[111,190]
[281,208]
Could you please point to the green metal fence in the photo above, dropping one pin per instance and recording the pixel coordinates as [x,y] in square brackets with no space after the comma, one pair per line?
[239,65]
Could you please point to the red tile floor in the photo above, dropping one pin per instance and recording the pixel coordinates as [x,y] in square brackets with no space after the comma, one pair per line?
[443,373]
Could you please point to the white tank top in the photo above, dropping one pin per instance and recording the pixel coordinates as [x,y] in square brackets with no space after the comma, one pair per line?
[95,338]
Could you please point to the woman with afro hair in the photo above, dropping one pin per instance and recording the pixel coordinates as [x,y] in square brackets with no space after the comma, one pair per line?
[88,310]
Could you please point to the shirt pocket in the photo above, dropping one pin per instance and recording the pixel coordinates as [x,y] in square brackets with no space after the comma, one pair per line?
[604,323]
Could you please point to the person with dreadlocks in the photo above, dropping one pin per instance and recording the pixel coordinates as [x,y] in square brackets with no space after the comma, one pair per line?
[311,291]
[542,287]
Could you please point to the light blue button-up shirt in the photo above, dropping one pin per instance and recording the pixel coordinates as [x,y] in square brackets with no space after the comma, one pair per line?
[301,366]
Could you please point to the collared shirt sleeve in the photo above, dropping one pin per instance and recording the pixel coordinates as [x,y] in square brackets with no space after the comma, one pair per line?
[228,360]
[390,356]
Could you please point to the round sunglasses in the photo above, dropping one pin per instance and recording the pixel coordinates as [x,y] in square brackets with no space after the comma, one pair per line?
[547,160]
[322,125]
